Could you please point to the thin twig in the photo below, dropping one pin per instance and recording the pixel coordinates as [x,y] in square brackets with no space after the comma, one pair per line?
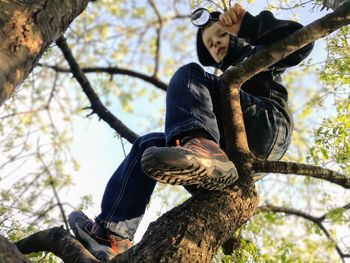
[114,71]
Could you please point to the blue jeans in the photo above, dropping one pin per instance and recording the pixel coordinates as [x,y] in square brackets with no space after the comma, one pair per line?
[192,103]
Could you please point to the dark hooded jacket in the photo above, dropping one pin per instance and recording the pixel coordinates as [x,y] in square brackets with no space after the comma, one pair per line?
[255,33]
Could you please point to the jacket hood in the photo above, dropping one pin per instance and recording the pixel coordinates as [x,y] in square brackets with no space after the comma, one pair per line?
[203,54]
[237,51]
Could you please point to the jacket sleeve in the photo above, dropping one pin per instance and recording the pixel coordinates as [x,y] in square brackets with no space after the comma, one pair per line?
[265,29]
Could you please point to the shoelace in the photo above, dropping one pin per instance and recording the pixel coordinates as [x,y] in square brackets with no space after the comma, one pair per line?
[196,145]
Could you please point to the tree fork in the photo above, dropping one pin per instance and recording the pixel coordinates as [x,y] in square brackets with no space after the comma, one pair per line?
[232,79]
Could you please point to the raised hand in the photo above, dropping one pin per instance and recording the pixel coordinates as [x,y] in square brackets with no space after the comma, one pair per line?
[231,20]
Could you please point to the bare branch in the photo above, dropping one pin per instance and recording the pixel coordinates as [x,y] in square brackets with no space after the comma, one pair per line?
[296,5]
[9,252]
[52,184]
[96,104]
[316,220]
[301,169]
[58,241]
[115,70]
[159,31]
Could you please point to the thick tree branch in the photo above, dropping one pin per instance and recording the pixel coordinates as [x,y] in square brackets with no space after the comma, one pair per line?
[115,70]
[58,241]
[9,253]
[199,231]
[195,237]
[28,28]
[301,169]
[235,135]
[96,104]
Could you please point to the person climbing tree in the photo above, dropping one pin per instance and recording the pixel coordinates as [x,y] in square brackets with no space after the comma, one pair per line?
[191,150]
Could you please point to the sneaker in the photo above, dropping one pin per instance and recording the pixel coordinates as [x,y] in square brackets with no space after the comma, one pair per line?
[102,243]
[199,162]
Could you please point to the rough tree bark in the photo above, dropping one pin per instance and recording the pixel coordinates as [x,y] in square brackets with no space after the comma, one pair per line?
[188,233]
[193,231]
[27,28]
[9,253]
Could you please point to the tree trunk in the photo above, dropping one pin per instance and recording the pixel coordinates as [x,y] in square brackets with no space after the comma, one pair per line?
[193,231]
[27,29]
[9,253]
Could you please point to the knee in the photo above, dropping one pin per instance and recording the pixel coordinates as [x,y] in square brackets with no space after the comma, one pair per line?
[191,67]
[188,68]
[150,139]
[183,75]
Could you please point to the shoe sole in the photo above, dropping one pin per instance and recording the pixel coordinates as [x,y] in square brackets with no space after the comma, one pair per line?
[177,167]
[101,252]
